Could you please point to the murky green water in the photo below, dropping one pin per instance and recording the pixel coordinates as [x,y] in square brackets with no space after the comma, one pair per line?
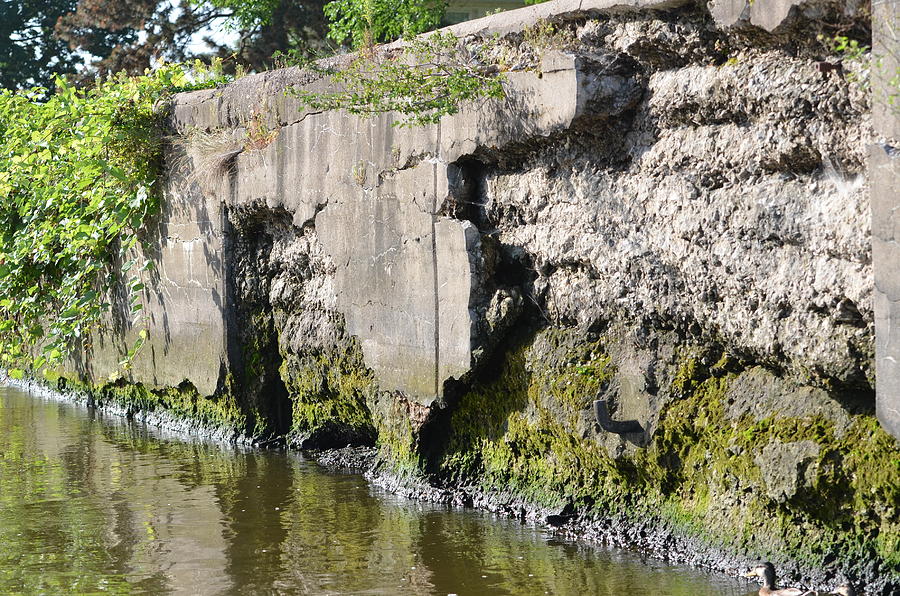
[93,504]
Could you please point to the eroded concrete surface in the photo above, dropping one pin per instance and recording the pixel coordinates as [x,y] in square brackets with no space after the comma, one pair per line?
[376,194]
[409,275]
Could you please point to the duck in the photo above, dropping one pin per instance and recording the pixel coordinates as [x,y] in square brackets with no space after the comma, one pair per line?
[845,589]
[766,572]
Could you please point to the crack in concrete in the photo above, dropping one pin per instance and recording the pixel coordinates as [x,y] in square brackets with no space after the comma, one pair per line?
[434,265]
[305,116]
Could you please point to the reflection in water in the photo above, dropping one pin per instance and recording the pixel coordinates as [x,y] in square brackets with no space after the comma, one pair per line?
[91,504]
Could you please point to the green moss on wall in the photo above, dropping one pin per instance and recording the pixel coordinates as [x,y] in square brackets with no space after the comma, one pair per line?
[329,394]
[220,412]
[700,476]
[517,430]
[397,442]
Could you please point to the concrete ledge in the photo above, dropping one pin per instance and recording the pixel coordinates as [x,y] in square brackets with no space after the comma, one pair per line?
[513,21]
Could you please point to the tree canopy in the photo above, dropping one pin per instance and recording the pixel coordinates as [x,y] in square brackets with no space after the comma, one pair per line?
[85,38]
[30,52]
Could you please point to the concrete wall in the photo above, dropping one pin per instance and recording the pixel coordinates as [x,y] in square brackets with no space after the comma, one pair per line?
[407,277]
[185,301]
[404,278]
[884,175]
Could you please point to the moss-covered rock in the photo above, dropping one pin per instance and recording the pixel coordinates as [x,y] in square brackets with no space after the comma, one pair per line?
[221,414]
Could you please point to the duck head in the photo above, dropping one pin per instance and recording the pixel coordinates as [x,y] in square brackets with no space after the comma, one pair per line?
[765,572]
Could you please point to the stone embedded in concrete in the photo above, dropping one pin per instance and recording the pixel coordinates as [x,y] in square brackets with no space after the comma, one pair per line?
[766,14]
[405,274]
[711,206]
[785,468]
[729,12]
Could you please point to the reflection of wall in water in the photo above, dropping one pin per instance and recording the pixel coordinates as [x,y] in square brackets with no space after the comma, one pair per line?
[466,10]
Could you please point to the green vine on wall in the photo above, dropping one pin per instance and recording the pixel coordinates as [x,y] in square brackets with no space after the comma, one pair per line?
[78,180]
[862,63]
[427,79]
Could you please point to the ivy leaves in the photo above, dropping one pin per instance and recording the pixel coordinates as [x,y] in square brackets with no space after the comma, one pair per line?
[78,175]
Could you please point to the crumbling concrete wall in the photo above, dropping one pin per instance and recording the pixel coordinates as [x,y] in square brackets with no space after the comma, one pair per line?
[668,212]
[406,274]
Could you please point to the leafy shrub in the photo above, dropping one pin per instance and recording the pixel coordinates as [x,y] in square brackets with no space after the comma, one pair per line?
[365,22]
[78,180]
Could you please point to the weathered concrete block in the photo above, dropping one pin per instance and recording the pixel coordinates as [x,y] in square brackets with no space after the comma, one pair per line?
[884,173]
[886,70]
[786,467]
[388,251]
[884,182]
[767,14]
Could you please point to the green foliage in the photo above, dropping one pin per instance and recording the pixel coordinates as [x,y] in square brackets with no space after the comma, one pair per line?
[78,177]
[426,80]
[858,63]
[245,14]
[544,35]
[365,22]
[850,49]
[852,54]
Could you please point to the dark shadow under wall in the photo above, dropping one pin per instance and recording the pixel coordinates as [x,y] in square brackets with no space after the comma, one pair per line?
[253,348]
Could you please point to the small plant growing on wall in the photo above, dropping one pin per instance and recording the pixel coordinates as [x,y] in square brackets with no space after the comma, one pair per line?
[425,80]
[857,63]
[259,134]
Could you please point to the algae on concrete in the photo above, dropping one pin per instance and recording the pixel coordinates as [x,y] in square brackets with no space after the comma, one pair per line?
[329,392]
[703,475]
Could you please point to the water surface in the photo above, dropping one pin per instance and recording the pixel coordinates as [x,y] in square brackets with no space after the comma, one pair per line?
[95,504]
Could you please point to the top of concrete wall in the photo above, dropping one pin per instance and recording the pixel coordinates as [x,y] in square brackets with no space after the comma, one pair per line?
[766,14]
[513,21]
[245,98]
